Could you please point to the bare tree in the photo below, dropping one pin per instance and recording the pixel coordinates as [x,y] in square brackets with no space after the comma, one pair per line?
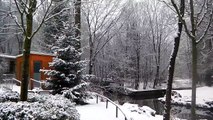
[161,28]
[201,16]
[172,63]
[131,48]
[27,10]
[100,16]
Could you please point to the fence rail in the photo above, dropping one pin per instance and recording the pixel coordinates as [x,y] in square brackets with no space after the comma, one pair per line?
[8,84]
[38,81]
[107,101]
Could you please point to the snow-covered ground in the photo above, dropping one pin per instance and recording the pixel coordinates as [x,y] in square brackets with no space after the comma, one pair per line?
[98,111]
[203,97]
[94,111]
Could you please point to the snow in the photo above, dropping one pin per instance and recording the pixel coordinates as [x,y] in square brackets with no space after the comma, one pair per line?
[40,107]
[1,90]
[7,56]
[203,96]
[16,88]
[11,86]
[38,53]
[94,111]
[134,112]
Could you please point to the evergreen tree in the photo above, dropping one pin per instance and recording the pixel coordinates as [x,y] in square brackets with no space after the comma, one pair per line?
[67,65]
[54,26]
[67,69]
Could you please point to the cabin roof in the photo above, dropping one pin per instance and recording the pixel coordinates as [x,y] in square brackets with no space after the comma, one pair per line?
[38,53]
[7,56]
[32,53]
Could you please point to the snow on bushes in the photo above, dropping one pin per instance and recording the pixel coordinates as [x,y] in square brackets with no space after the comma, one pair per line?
[77,94]
[134,112]
[183,98]
[9,96]
[40,107]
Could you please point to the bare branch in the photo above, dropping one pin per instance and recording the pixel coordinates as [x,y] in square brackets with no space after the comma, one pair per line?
[207,27]
[43,20]
[182,19]
[21,16]
[200,12]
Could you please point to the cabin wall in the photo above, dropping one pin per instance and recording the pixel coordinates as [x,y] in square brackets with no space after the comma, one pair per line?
[44,64]
[44,59]
[18,68]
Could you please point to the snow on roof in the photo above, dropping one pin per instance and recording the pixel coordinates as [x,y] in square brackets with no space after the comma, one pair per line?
[38,53]
[7,56]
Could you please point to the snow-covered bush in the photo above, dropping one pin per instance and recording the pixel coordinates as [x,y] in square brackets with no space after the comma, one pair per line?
[9,96]
[210,103]
[176,94]
[47,107]
[77,94]
[134,112]
[134,108]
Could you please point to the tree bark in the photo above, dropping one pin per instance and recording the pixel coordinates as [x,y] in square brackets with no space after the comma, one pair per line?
[137,80]
[194,79]
[26,51]
[156,76]
[78,22]
[194,61]
[166,116]
[91,47]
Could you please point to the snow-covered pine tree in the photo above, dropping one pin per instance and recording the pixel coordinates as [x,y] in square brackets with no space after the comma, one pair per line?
[54,26]
[67,65]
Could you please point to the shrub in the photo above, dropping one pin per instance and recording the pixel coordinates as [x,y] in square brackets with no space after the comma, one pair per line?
[12,96]
[77,94]
[46,107]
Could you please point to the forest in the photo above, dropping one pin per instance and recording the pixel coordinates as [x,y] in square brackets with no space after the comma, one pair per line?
[112,44]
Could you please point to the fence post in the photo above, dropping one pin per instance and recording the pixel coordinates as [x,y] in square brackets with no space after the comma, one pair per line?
[107,103]
[116,112]
[97,99]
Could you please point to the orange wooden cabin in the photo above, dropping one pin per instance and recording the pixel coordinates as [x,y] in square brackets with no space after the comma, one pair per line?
[37,61]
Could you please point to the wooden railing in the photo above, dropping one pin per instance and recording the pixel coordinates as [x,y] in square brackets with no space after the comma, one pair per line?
[40,90]
[8,84]
[107,101]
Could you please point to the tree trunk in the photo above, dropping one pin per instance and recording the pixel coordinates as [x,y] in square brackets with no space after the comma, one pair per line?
[166,116]
[194,60]
[194,79]
[146,75]
[25,69]
[137,80]
[26,52]
[78,22]
[91,47]
[156,76]
[90,66]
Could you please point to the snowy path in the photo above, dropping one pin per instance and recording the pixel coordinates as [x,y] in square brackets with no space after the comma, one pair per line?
[98,111]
